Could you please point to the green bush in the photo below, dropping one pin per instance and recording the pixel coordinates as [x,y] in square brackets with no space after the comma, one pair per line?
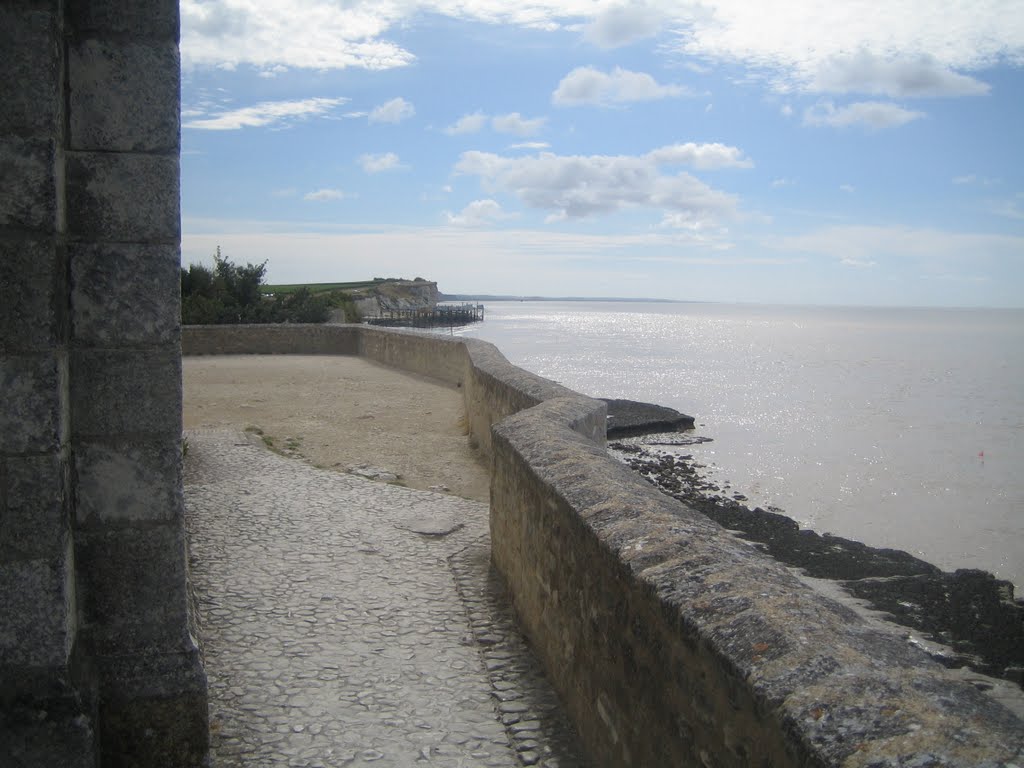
[230,294]
[303,307]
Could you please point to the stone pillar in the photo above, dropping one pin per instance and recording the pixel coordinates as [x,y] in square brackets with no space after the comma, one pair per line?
[40,702]
[93,580]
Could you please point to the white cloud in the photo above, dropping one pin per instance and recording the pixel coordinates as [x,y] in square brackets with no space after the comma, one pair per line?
[516,124]
[847,188]
[776,183]
[274,71]
[394,111]
[322,195]
[1010,209]
[623,24]
[870,73]
[907,48]
[529,145]
[387,161]
[871,114]
[973,179]
[472,123]
[454,252]
[264,114]
[701,156]
[571,187]
[859,263]
[586,85]
[513,123]
[305,34]
[863,244]
[477,213]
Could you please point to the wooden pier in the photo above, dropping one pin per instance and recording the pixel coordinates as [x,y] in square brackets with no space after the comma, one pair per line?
[441,316]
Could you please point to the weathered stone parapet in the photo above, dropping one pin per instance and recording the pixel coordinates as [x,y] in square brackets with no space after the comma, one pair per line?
[671,641]
[441,357]
[270,340]
[674,643]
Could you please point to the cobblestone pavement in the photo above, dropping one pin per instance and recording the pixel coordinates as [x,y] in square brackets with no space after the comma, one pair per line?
[345,622]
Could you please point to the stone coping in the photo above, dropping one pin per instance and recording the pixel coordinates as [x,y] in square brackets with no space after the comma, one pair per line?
[670,641]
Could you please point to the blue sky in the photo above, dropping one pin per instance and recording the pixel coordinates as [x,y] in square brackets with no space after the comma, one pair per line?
[777,152]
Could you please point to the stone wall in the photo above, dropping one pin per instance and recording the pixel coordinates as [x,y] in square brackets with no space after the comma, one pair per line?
[272,339]
[492,387]
[670,641]
[97,663]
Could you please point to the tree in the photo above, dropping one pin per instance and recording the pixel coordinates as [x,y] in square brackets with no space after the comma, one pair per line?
[230,294]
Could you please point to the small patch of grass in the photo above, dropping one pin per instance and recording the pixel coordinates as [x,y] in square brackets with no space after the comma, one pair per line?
[254,430]
[268,441]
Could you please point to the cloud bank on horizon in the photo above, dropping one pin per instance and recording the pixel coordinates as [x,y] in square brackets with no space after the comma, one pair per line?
[790,152]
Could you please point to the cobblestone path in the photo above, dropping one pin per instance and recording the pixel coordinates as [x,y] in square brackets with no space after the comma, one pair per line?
[347,622]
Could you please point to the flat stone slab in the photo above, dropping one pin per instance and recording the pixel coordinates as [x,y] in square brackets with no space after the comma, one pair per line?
[432,526]
[629,418]
[347,622]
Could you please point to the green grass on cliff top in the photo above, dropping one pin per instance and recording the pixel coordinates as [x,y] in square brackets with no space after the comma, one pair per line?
[328,287]
[316,287]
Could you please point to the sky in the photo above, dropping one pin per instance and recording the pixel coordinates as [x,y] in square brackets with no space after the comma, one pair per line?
[847,152]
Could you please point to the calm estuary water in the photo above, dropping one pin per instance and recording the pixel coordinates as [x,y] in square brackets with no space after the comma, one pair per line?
[897,427]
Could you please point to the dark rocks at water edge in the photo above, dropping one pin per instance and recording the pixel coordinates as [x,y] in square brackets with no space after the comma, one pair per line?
[968,611]
[629,418]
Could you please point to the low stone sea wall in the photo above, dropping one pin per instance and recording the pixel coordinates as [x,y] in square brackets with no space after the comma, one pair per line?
[671,642]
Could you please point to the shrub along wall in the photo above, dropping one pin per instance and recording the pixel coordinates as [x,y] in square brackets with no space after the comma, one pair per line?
[670,641]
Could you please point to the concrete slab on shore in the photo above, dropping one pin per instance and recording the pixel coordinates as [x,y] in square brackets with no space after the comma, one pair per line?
[629,418]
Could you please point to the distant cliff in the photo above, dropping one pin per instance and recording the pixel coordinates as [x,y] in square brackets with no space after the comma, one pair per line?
[379,298]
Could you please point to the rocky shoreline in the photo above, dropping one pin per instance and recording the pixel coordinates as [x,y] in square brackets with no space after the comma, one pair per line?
[971,616]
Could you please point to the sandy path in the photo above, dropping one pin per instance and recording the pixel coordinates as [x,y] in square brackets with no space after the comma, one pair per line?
[336,411]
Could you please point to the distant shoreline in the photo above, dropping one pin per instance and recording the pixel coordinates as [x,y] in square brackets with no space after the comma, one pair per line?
[488,297]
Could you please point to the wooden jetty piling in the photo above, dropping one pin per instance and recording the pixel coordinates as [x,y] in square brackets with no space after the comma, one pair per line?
[442,315]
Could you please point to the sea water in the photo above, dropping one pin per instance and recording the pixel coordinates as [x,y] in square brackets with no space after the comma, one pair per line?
[900,428]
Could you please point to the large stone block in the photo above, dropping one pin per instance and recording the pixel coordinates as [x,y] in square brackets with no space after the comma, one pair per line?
[132,589]
[126,392]
[31,184]
[34,522]
[128,481]
[140,19]
[33,281]
[33,417]
[154,710]
[125,198]
[125,294]
[37,736]
[30,59]
[38,609]
[124,96]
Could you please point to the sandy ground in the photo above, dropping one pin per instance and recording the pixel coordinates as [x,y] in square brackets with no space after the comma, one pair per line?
[335,411]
